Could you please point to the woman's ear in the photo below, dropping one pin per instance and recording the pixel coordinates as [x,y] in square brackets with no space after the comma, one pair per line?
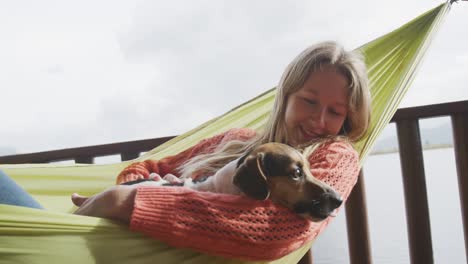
[249,177]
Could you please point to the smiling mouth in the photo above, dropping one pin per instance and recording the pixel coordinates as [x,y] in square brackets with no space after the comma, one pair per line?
[307,135]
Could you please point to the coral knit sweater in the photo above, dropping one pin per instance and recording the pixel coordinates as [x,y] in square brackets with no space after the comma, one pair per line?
[229,225]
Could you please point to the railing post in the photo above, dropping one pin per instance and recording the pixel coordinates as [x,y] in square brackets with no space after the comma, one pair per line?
[84,160]
[307,258]
[414,183]
[357,225]
[460,136]
[129,156]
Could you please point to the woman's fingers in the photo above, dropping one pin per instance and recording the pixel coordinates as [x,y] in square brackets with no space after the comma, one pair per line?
[155,177]
[133,177]
[78,200]
[172,178]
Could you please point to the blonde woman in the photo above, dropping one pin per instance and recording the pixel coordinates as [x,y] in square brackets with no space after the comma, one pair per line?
[323,93]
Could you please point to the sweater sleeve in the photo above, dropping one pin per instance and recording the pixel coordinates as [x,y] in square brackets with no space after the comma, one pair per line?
[237,226]
[171,163]
[337,164]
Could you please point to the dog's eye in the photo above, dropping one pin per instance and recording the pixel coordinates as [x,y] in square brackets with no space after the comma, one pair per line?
[297,174]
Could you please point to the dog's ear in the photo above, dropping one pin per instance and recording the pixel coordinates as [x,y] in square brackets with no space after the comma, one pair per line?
[242,159]
[250,178]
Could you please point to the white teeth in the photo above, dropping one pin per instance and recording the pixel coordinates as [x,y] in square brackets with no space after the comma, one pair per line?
[334,213]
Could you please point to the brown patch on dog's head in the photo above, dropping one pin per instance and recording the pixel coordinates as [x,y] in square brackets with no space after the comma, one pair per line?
[250,178]
[281,173]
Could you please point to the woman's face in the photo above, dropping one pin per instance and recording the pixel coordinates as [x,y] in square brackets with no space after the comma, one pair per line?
[318,108]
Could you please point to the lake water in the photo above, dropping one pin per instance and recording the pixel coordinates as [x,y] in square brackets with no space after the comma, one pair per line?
[386,212]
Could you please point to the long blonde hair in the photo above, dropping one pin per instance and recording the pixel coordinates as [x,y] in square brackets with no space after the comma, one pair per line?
[312,59]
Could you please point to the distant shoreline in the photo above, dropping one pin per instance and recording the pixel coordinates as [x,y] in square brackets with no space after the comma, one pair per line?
[395,150]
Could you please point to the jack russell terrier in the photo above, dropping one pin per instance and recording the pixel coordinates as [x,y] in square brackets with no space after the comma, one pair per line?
[272,170]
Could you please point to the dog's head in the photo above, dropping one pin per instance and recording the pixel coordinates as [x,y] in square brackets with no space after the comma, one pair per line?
[281,173]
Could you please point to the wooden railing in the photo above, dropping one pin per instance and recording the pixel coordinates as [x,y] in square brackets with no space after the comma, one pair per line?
[411,157]
[127,151]
[414,184]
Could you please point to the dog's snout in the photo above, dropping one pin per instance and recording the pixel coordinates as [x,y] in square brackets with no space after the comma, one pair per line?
[321,207]
[336,202]
[331,201]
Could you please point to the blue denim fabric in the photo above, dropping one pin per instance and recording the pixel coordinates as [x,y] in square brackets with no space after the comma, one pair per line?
[12,194]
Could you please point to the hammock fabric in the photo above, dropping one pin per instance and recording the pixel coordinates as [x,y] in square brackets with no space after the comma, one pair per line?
[54,235]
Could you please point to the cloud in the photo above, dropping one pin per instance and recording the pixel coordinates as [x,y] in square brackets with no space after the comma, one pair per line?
[212,50]
[443,71]
[74,75]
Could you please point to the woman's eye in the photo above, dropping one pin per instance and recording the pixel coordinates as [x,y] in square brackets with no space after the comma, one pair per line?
[311,102]
[336,113]
[297,174]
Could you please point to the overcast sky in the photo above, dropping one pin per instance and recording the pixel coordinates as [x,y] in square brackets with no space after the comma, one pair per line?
[77,73]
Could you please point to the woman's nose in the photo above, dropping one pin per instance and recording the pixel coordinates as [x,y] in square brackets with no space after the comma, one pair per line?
[320,119]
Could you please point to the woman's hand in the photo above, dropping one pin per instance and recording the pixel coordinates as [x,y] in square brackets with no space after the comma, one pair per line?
[115,203]
[129,177]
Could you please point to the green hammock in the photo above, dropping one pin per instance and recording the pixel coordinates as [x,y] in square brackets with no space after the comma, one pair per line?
[54,235]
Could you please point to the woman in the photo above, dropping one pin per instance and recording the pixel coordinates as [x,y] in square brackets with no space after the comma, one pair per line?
[322,93]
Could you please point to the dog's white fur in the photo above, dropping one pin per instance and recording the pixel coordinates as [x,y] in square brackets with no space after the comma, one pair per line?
[221,182]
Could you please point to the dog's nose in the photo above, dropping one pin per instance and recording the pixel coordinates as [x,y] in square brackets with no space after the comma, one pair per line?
[337,202]
[321,207]
[330,201]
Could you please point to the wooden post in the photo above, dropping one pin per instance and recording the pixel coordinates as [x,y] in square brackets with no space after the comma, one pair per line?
[460,136]
[307,258]
[414,183]
[357,224]
[129,156]
[84,159]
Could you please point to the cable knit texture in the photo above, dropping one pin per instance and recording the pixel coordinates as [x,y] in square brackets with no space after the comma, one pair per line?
[229,225]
